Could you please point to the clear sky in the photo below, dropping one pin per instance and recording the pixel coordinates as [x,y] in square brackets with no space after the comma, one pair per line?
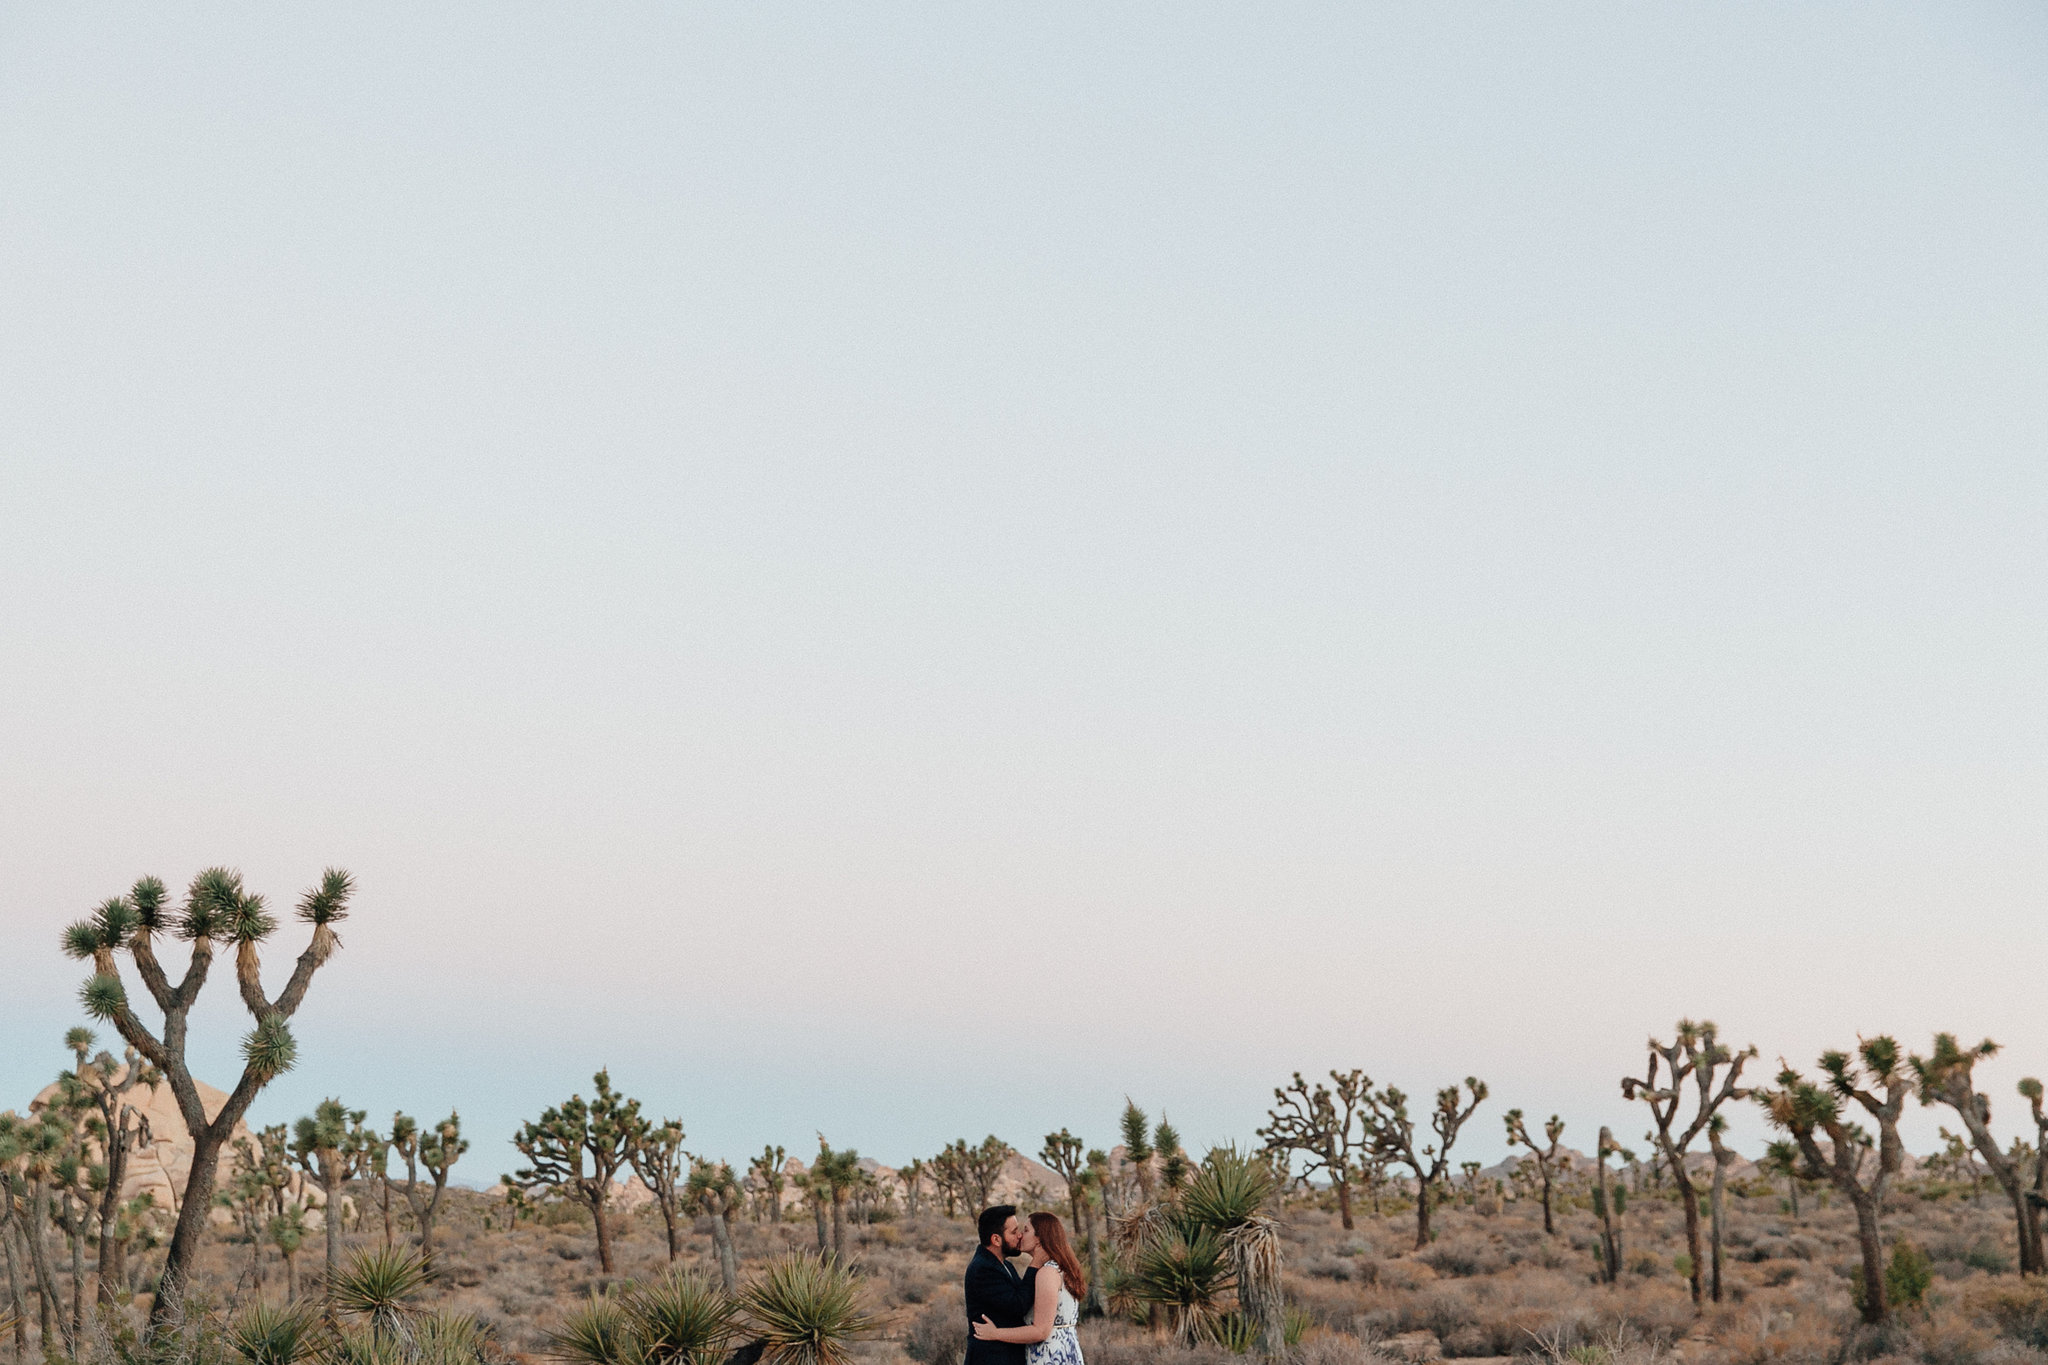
[911,571]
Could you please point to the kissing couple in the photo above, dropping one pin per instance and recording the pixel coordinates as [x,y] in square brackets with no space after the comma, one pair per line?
[1026,1319]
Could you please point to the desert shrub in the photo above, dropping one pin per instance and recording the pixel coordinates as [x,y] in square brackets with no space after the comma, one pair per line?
[1463,1257]
[937,1336]
[1338,1348]
[1119,1343]
[2019,1311]
[1776,1337]
[1949,1336]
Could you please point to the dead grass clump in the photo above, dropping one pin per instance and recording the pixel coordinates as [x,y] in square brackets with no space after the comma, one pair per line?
[1339,1348]
[1108,1342]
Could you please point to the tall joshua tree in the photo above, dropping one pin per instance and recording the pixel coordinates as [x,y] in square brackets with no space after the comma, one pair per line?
[657,1158]
[1062,1153]
[438,1149]
[1391,1133]
[1137,1146]
[320,1143]
[118,1129]
[1609,1202]
[1325,1125]
[912,1177]
[578,1149]
[1804,1109]
[216,907]
[1696,1057]
[764,1173]
[1782,1158]
[1546,1157]
[835,1174]
[1945,1076]
[714,1190]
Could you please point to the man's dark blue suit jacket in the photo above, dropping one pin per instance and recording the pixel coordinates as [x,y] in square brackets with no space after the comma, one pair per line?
[1004,1297]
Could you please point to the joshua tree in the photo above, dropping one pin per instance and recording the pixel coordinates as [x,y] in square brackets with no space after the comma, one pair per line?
[1546,1157]
[2030,1089]
[1094,1183]
[949,1177]
[117,1128]
[1391,1134]
[657,1158]
[39,1146]
[714,1190]
[1609,1203]
[1137,1147]
[764,1173]
[10,1217]
[1173,1162]
[1946,1077]
[320,1143]
[978,1168]
[287,1232]
[1803,1108]
[836,1174]
[912,1177]
[579,1148]
[216,907]
[1782,1158]
[438,1149]
[372,1154]
[1326,1125]
[1696,1055]
[1062,1153]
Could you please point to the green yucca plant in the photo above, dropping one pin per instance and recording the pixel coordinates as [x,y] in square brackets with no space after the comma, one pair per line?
[449,1339]
[601,1332]
[682,1319]
[807,1310]
[357,1347]
[379,1284]
[1229,1196]
[1185,1270]
[277,1334]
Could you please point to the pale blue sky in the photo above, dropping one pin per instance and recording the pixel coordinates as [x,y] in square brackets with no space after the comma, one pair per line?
[910,571]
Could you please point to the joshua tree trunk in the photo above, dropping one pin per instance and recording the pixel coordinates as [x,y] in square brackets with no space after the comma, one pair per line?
[14,1285]
[1722,1156]
[671,1226]
[1094,1305]
[111,1250]
[1874,1305]
[604,1232]
[1343,1202]
[330,1218]
[1689,1198]
[1549,1228]
[818,1209]
[74,1232]
[728,1263]
[1422,1193]
[291,1278]
[1792,1185]
[48,1312]
[1610,1252]
[839,1223]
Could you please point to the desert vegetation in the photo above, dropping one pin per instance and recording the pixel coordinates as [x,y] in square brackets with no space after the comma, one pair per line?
[1346,1232]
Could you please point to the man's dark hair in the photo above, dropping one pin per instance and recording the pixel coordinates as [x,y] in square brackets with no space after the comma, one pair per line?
[992,1219]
